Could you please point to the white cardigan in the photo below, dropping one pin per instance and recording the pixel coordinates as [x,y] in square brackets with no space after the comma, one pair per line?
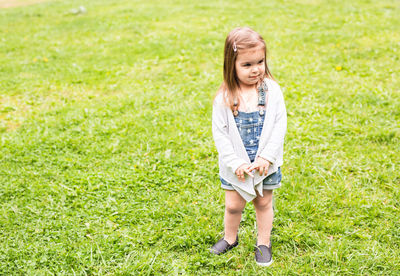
[231,151]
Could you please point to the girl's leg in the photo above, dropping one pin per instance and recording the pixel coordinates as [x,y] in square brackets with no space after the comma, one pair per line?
[264,217]
[234,205]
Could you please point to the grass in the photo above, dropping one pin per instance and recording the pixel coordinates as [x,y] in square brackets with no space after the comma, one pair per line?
[107,161]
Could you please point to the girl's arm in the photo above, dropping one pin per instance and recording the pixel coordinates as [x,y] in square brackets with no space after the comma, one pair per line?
[275,142]
[222,141]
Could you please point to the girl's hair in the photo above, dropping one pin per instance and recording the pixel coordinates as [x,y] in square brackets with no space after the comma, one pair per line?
[239,39]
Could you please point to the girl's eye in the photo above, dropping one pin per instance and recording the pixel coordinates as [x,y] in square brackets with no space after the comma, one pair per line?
[247,65]
[261,61]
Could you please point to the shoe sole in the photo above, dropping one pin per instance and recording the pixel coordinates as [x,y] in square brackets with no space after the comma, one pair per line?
[265,264]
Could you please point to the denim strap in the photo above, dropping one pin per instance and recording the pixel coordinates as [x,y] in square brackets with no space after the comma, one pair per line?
[262,90]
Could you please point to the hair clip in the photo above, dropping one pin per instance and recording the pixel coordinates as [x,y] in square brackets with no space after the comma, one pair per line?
[234,47]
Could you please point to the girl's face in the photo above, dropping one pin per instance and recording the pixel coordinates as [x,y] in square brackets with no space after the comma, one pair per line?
[250,67]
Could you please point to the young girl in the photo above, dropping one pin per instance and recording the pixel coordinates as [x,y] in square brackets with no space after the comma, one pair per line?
[248,125]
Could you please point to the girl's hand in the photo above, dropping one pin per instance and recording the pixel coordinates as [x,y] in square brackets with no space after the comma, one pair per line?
[261,164]
[242,170]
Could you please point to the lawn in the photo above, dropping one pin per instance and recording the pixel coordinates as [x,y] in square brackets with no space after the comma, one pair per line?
[108,166]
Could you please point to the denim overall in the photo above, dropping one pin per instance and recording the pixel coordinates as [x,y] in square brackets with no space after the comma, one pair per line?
[250,125]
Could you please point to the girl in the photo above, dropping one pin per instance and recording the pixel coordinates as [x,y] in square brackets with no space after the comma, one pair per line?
[248,125]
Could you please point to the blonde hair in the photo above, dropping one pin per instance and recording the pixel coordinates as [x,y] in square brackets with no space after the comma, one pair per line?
[242,38]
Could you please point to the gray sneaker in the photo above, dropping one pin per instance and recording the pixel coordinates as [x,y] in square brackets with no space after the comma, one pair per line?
[263,255]
[223,246]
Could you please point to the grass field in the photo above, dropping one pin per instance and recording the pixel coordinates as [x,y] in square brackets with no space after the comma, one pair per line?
[107,163]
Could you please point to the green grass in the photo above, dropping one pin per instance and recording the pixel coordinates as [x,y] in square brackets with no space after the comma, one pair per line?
[107,160]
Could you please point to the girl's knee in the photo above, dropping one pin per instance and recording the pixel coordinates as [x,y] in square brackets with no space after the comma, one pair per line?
[234,209]
[263,203]
[234,203]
